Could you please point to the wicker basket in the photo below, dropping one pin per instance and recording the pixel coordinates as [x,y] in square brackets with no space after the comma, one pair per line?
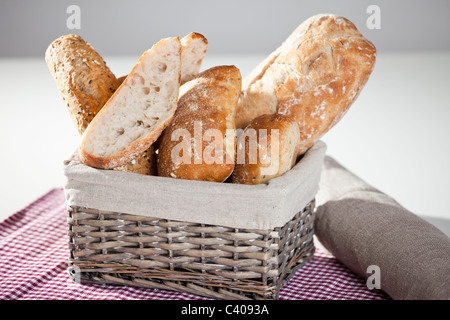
[217,240]
[206,260]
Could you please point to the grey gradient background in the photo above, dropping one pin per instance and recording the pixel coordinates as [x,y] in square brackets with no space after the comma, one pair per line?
[232,26]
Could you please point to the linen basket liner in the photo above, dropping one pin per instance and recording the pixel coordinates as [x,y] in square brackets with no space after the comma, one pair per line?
[263,206]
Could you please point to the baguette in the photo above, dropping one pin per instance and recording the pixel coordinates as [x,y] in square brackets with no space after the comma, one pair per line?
[266,149]
[134,117]
[83,79]
[207,104]
[315,76]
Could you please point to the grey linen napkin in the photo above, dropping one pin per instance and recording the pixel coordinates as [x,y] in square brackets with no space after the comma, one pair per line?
[362,227]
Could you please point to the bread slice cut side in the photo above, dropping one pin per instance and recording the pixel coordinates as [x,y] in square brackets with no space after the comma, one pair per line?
[137,113]
[193,51]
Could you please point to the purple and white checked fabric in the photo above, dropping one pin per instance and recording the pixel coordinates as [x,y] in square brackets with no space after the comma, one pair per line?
[34,253]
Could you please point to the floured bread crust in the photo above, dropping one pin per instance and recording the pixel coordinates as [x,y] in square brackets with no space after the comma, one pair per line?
[315,76]
[275,152]
[206,102]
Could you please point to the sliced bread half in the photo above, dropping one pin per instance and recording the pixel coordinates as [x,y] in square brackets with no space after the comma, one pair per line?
[194,47]
[137,113]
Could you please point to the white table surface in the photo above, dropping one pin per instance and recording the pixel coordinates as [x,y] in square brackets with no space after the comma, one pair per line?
[395,136]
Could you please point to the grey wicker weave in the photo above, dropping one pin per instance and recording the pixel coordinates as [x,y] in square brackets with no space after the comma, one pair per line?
[207,260]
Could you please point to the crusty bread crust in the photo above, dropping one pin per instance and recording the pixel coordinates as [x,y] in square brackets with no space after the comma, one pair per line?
[138,146]
[315,76]
[84,80]
[288,140]
[211,98]
[121,79]
[144,164]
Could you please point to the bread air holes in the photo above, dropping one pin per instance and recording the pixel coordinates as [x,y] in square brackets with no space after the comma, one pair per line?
[142,124]
[161,67]
[120,131]
[146,90]
[141,78]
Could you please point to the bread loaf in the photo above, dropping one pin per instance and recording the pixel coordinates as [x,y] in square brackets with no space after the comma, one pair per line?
[193,50]
[86,84]
[266,149]
[139,110]
[196,145]
[315,76]
[122,79]
[83,79]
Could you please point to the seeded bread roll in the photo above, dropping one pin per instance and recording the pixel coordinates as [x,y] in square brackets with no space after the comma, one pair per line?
[137,113]
[206,110]
[315,76]
[266,149]
[84,80]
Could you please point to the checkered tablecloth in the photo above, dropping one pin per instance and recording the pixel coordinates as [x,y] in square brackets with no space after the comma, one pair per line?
[34,253]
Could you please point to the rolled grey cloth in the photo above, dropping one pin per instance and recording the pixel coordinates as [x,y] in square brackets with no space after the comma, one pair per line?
[362,227]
